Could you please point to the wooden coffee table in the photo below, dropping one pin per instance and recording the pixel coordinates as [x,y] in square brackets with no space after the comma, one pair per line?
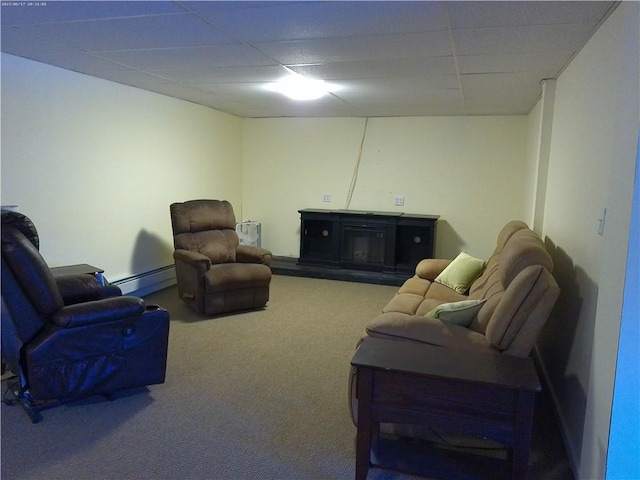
[490,396]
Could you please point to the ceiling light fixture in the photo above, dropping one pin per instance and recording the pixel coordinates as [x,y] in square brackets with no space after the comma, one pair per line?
[301,88]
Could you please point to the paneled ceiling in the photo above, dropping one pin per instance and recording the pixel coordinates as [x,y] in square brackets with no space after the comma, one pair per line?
[384,58]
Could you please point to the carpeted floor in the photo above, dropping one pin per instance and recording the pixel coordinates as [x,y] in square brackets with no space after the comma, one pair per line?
[255,395]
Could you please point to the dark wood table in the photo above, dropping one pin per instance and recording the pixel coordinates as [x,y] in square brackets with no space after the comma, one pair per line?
[483,395]
[79,269]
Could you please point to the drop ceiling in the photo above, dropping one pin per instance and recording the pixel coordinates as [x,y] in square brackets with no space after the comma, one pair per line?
[385,58]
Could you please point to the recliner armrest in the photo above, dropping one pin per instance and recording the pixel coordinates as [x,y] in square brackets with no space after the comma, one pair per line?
[430,268]
[249,254]
[79,288]
[195,259]
[99,311]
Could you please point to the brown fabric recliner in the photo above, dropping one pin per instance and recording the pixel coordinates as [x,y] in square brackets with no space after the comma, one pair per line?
[216,274]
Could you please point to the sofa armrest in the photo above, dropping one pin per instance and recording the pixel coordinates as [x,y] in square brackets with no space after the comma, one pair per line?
[249,254]
[430,268]
[99,311]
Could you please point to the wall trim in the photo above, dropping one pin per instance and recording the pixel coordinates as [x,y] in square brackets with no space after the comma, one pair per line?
[148,282]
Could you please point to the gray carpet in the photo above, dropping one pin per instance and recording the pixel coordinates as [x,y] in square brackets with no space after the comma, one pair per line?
[256,395]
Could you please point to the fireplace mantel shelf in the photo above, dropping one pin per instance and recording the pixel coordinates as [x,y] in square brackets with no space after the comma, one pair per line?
[388,242]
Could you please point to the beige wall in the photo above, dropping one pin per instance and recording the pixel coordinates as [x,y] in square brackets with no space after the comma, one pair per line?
[96,164]
[591,167]
[468,170]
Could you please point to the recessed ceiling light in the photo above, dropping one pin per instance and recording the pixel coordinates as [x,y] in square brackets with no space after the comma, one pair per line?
[301,88]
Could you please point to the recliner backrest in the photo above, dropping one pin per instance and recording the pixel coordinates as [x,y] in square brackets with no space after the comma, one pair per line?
[31,272]
[23,223]
[207,227]
[29,292]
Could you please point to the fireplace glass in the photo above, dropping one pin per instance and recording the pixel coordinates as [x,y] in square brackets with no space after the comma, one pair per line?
[363,245]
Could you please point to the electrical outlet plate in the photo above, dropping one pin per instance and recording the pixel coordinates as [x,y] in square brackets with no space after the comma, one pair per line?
[326,197]
[399,202]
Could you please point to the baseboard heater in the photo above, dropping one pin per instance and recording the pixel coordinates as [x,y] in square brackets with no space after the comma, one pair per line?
[147,282]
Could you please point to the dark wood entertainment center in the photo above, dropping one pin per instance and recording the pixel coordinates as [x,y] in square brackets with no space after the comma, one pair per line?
[387,242]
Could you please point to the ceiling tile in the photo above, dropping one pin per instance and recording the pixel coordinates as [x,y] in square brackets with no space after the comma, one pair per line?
[81,62]
[131,33]
[215,56]
[519,13]
[548,63]
[416,88]
[17,42]
[388,67]
[206,75]
[499,80]
[329,50]
[566,38]
[22,12]
[267,22]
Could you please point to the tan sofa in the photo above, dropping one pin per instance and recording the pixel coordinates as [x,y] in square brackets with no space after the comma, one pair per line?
[518,292]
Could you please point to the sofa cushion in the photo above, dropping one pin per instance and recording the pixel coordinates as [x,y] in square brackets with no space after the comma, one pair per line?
[405,303]
[400,326]
[461,272]
[236,276]
[415,285]
[444,294]
[459,313]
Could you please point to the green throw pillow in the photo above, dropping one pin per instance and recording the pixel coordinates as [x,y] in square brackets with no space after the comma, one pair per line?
[461,272]
[460,313]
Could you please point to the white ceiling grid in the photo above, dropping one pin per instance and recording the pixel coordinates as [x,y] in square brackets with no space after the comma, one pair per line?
[386,58]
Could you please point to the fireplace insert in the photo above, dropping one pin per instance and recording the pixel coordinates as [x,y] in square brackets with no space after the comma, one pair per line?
[363,246]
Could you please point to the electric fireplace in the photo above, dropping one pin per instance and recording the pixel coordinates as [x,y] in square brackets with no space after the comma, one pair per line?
[375,241]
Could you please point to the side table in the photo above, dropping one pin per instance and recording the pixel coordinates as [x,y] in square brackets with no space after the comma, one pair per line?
[79,269]
[484,395]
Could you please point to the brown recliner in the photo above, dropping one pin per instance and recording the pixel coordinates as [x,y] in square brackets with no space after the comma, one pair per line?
[216,274]
[69,337]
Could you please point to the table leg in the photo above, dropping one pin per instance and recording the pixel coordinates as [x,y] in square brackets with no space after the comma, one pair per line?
[520,452]
[363,442]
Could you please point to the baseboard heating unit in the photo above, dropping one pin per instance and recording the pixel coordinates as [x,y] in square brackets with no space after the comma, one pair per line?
[147,282]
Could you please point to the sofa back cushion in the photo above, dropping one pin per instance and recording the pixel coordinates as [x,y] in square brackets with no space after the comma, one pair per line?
[519,291]
[507,232]
[521,248]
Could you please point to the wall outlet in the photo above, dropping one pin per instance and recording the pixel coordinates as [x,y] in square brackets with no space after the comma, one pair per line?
[399,202]
[326,197]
